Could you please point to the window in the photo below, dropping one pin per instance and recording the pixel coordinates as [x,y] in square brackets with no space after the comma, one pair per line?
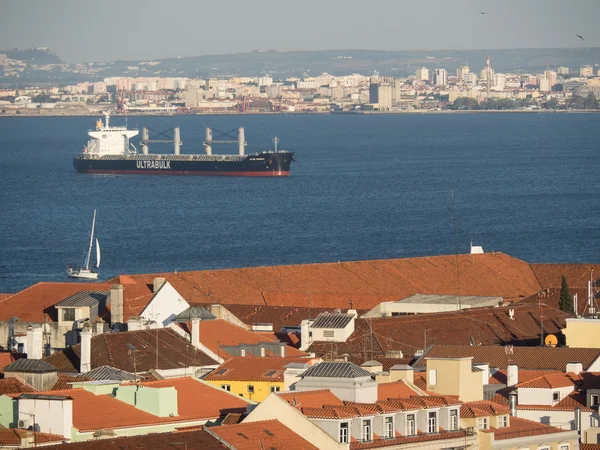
[555,396]
[226,387]
[482,423]
[241,395]
[432,377]
[594,400]
[344,432]
[68,314]
[328,333]
[410,425]
[502,421]
[453,419]
[251,388]
[366,430]
[432,422]
[563,447]
[275,389]
[388,427]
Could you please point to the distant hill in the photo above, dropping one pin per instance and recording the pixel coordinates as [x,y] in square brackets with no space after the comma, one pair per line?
[40,55]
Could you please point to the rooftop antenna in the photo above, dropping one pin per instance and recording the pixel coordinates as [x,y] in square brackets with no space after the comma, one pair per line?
[509,350]
[542,295]
[131,350]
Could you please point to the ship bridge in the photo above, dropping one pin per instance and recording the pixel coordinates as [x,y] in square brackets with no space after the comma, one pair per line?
[107,140]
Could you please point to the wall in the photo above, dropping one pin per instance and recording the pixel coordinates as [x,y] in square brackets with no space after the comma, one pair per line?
[275,408]
[454,376]
[559,419]
[165,305]
[539,396]
[8,412]
[51,416]
[362,389]
[262,389]
[582,333]
[553,441]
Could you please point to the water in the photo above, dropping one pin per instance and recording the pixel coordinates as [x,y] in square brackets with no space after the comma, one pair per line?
[363,187]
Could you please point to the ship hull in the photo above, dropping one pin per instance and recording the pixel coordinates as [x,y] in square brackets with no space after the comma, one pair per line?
[260,165]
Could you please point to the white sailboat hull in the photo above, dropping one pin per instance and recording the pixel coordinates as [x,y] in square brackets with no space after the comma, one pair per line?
[86,274]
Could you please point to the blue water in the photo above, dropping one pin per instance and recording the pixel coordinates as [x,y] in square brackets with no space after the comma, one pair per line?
[373,186]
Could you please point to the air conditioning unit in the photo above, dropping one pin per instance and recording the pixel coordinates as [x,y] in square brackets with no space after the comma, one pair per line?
[23,423]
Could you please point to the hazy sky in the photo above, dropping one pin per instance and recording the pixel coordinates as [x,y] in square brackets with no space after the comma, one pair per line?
[104,30]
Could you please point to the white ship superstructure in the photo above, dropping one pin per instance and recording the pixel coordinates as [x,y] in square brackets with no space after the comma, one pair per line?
[107,140]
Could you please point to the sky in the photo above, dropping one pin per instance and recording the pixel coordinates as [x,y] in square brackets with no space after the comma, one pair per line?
[107,30]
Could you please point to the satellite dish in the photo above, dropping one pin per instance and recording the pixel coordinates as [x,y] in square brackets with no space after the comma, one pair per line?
[551,340]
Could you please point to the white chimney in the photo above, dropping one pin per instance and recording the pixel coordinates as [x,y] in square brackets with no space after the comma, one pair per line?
[195,331]
[512,375]
[305,337]
[158,283]
[134,323]
[34,342]
[574,367]
[85,359]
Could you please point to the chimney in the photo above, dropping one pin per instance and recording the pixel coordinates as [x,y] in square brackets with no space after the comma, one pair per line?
[27,439]
[577,412]
[263,352]
[34,342]
[134,323]
[574,367]
[196,332]
[305,334]
[85,364]
[352,312]
[116,305]
[158,283]
[99,326]
[282,348]
[401,372]
[512,375]
[512,402]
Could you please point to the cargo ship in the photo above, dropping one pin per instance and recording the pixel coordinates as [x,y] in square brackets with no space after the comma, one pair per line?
[110,151]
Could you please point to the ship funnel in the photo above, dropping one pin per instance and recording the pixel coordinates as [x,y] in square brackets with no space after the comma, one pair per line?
[241,141]
[176,141]
[145,140]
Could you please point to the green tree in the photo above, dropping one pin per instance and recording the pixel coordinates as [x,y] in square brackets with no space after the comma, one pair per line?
[566,300]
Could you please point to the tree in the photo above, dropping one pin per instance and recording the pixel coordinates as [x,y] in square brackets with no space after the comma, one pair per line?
[566,300]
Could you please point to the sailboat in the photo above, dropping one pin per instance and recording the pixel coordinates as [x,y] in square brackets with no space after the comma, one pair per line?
[84,270]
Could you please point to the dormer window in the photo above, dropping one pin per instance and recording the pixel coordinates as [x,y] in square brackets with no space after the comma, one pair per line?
[555,396]
[366,430]
[432,422]
[410,425]
[594,400]
[68,314]
[453,419]
[388,427]
[502,421]
[482,423]
[344,426]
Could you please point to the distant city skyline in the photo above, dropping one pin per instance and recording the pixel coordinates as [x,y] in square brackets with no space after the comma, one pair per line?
[136,30]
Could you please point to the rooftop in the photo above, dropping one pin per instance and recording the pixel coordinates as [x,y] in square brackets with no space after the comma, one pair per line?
[521,428]
[111,349]
[11,437]
[452,300]
[398,389]
[484,408]
[550,381]
[15,385]
[194,312]
[84,298]
[332,320]
[334,369]
[268,434]
[365,283]
[30,366]
[252,368]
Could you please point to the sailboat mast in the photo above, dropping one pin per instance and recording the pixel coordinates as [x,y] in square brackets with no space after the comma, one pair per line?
[87,264]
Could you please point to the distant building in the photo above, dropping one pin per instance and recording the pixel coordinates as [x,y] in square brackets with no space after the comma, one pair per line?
[384,92]
[586,71]
[544,84]
[499,81]
[551,76]
[440,77]
[422,74]
[461,72]
[470,78]
[563,70]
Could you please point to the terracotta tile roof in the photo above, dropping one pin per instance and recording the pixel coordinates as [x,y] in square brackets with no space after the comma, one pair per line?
[551,297]
[266,434]
[197,438]
[15,385]
[36,302]
[6,358]
[484,325]
[521,428]
[11,437]
[3,296]
[578,275]
[420,437]
[398,389]
[484,408]
[311,399]
[64,381]
[233,418]
[548,358]
[500,377]
[589,446]
[135,299]
[365,283]
[252,368]
[574,400]
[215,334]
[550,381]
[214,402]
[110,349]
[420,380]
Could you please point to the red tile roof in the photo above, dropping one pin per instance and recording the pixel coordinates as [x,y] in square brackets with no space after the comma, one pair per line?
[500,377]
[574,400]
[268,434]
[398,389]
[589,446]
[522,428]
[15,385]
[365,283]
[192,439]
[110,349]
[36,302]
[578,275]
[420,437]
[550,381]
[311,399]
[547,358]
[65,381]
[11,437]
[253,368]
[215,334]
[484,408]
[551,297]
[6,358]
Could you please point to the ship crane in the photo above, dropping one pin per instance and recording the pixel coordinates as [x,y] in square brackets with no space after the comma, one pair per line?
[240,140]
[176,140]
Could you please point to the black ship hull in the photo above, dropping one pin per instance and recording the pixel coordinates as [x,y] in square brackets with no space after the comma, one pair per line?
[266,164]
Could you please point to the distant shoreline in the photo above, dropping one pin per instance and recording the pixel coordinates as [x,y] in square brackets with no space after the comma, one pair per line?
[88,113]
